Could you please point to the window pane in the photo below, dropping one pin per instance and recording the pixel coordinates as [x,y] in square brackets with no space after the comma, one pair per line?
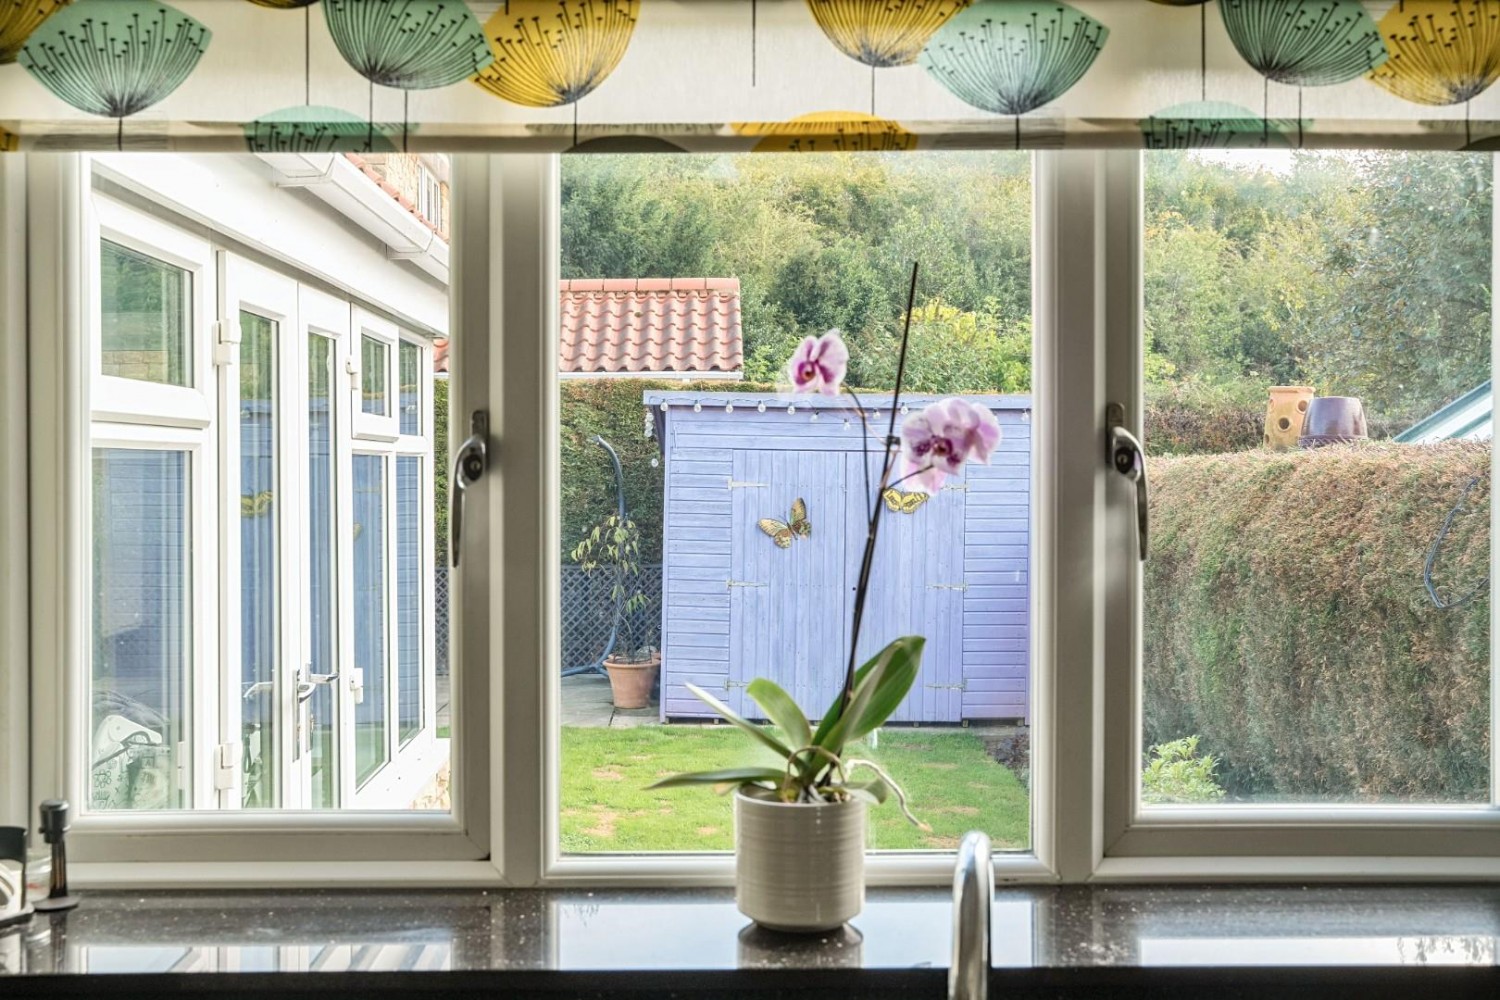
[411,388]
[1317,602]
[142,629]
[370,646]
[373,398]
[322,740]
[409,630]
[259,677]
[685,269]
[144,310]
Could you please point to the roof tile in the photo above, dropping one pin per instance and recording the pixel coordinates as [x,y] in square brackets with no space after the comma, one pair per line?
[650,325]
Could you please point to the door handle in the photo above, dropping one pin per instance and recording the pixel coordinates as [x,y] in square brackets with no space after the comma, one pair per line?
[308,682]
[468,467]
[1125,454]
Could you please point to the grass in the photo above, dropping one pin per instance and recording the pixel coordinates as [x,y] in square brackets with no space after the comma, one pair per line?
[953,784]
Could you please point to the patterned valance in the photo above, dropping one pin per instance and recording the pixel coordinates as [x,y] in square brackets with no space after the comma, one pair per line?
[771,75]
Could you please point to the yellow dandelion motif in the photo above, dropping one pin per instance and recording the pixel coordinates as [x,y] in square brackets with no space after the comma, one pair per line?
[550,53]
[882,33]
[18,19]
[1441,51]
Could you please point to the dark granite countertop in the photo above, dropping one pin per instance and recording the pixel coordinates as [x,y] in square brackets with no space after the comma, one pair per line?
[1048,941]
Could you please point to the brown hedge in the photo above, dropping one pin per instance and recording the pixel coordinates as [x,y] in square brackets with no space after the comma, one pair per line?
[1287,621]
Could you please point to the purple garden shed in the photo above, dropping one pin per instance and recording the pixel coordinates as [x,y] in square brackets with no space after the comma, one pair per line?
[737,605]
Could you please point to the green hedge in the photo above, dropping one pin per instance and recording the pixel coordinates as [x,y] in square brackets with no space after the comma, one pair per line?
[1287,621]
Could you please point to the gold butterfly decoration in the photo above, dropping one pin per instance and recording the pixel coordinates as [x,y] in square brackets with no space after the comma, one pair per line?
[903,503]
[797,526]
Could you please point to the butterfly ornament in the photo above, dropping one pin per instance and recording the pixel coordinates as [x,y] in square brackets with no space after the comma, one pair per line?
[797,526]
[904,503]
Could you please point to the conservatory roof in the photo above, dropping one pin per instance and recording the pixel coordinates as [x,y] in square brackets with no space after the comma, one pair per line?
[672,327]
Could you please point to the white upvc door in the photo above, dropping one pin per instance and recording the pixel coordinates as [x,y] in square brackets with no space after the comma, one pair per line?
[261,363]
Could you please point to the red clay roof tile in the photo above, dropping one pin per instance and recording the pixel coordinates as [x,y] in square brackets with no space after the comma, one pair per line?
[651,325]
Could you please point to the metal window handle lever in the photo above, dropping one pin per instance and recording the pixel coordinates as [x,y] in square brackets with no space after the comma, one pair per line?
[468,467]
[1128,458]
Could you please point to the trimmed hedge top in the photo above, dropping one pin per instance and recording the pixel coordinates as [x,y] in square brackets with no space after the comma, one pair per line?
[1287,621]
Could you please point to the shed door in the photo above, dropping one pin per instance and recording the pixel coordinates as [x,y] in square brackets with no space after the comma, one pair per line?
[917,588]
[786,606]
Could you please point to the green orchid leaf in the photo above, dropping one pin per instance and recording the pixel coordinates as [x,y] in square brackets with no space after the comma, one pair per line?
[879,688]
[758,732]
[782,710]
[724,776]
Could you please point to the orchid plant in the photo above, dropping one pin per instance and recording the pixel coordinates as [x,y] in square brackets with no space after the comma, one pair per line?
[933,444]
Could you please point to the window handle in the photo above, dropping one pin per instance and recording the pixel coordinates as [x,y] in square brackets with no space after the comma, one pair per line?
[1128,458]
[468,467]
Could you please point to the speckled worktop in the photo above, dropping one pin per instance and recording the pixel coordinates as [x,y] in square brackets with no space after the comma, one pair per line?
[1048,941]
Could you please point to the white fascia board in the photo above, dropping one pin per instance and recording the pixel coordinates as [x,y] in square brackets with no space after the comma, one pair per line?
[238,197]
[331,177]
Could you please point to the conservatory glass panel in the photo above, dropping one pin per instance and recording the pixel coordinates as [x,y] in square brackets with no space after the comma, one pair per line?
[259,513]
[411,388]
[409,612]
[145,309]
[374,396]
[371,655]
[142,631]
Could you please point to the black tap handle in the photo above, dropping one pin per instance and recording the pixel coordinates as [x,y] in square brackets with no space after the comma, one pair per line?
[54,820]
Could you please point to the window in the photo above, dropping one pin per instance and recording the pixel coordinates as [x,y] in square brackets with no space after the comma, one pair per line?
[1134,299]
[145,310]
[142,649]
[679,310]
[262,570]
[1316,608]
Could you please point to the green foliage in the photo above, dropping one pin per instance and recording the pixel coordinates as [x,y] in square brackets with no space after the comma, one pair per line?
[1197,418]
[816,767]
[951,351]
[817,242]
[1175,773]
[1286,620]
[614,546]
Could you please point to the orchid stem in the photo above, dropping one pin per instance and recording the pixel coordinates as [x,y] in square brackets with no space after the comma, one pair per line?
[863,588]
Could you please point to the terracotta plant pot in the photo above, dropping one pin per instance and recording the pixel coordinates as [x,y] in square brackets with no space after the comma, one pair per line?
[1284,414]
[1333,420]
[798,867]
[631,684]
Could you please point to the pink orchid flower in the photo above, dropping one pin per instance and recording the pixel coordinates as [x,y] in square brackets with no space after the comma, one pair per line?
[936,442]
[819,364]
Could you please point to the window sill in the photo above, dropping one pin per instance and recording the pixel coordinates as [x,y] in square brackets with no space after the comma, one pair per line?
[1071,940]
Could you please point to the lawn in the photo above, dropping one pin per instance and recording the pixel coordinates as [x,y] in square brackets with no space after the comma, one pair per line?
[953,784]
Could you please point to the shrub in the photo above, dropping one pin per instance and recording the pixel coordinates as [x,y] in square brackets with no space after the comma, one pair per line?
[1287,620]
[1194,418]
[1175,773]
[612,408]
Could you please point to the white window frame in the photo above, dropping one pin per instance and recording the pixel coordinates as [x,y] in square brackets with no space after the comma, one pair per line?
[1086,826]
[124,399]
[1238,841]
[227,847]
[375,426]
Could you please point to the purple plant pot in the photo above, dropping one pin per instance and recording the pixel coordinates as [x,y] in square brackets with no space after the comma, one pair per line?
[1333,420]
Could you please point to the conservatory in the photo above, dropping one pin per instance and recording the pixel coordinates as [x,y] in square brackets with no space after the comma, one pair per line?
[260,415]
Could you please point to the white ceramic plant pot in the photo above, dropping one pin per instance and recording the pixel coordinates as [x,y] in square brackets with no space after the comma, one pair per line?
[799,867]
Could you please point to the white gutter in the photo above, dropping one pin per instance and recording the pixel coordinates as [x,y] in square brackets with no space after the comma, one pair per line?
[332,178]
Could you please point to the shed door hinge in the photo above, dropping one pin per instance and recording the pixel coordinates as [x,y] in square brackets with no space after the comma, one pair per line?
[947,586]
[226,342]
[226,765]
[956,488]
[960,686]
[743,583]
[736,484]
